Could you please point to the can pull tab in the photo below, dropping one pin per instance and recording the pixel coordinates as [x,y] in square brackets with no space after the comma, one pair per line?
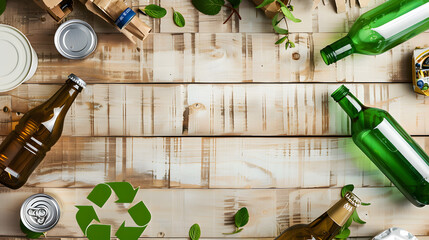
[39,214]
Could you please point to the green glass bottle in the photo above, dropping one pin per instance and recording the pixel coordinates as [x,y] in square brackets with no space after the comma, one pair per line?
[387,144]
[381,29]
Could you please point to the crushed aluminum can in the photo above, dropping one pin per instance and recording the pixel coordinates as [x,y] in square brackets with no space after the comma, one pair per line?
[395,234]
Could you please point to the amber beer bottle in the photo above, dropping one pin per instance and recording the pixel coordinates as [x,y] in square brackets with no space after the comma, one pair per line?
[328,225]
[37,131]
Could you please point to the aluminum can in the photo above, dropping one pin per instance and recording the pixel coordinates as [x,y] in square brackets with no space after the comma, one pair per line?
[75,39]
[395,234]
[18,61]
[40,213]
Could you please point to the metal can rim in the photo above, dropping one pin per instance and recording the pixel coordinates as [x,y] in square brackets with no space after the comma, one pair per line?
[61,29]
[23,213]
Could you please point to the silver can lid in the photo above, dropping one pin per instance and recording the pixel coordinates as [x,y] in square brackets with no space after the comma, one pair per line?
[77,80]
[40,213]
[75,39]
[395,234]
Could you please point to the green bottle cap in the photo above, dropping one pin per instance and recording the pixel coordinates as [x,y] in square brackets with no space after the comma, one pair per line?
[341,92]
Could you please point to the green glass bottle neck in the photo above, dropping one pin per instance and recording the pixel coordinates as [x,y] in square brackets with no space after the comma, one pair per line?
[337,50]
[351,105]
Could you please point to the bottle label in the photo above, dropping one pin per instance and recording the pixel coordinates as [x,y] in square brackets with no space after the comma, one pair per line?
[341,212]
[393,137]
[403,22]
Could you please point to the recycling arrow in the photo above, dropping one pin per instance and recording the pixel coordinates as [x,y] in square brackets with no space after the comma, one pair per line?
[100,194]
[124,191]
[84,217]
[140,214]
[99,232]
[126,233]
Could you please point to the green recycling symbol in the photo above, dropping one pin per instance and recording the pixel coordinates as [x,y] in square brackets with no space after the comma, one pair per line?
[99,196]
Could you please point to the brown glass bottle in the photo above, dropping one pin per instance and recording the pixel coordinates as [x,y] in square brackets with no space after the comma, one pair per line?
[37,131]
[328,225]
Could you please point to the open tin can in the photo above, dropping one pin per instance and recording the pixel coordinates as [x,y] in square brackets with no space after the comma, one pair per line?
[75,39]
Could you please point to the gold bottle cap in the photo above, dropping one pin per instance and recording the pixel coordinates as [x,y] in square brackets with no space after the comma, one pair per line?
[353,199]
[77,80]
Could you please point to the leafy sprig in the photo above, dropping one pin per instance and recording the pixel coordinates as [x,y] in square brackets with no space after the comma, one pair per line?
[345,231]
[156,11]
[286,11]
[213,7]
[241,218]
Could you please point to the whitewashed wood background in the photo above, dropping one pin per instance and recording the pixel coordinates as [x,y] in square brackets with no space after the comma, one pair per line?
[210,118]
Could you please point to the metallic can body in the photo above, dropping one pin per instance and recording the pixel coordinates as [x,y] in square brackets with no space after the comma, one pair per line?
[395,234]
[75,39]
[40,213]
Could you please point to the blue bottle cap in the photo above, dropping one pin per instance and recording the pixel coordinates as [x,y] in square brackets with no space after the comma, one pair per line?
[420,83]
[125,18]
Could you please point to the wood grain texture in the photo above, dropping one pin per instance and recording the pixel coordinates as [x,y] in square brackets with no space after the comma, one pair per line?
[212,117]
[219,109]
[271,210]
[221,58]
[210,162]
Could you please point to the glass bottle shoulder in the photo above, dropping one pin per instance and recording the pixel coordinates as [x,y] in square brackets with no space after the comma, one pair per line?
[368,119]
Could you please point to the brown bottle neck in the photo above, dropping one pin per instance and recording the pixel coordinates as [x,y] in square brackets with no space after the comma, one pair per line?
[64,97]
[341,211]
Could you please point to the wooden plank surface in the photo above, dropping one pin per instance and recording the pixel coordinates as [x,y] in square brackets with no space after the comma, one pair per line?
[271,210]
[212,117]
[218,109]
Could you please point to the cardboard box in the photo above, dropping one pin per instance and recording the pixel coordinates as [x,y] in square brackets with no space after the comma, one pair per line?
[58,9]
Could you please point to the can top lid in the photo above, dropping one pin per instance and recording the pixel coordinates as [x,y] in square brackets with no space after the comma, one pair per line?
[40,213]
[75,39]
[16,57]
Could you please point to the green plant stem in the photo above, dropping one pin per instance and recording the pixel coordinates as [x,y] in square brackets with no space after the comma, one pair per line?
[234,11]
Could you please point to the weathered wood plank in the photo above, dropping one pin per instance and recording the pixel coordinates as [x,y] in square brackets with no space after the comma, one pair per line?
[271,211]
[222,57]
[208,162]
[219,109]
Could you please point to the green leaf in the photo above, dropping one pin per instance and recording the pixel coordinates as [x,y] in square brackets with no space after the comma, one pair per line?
[178,19]
[235,3]
[356,218]
[195,232]
[365,204]
[208,7]
[289,15]
[2,6]
[281,40]
[154,11]
[28,233]
[276,28]
[347,188]
[280,30]
[237,230]
[265,3]
[241,217]
[343,234]
[291,44]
